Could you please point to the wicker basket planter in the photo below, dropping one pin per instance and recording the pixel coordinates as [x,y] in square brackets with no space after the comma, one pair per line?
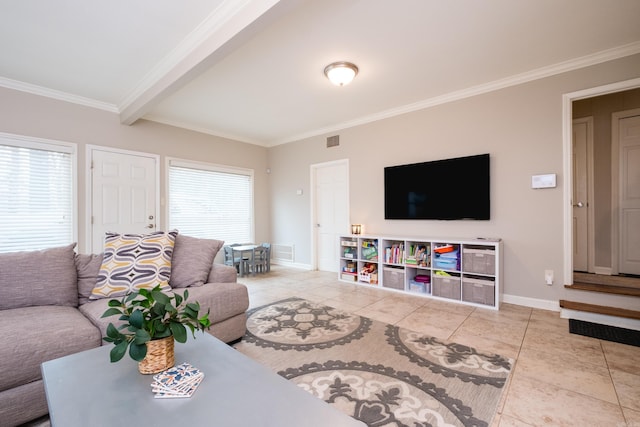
[149,315]
[159,356]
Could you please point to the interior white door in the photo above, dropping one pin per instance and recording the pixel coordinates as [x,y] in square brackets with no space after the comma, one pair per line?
[331,205]
[123,194]
[629,195]
[580,152]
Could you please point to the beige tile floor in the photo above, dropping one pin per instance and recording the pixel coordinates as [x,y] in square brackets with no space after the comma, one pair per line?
[559,379]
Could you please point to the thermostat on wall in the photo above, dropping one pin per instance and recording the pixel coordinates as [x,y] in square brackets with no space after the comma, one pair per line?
[543,181]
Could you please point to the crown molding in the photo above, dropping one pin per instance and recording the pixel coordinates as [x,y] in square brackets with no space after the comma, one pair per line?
[228,9]
[56,94]
[540,73]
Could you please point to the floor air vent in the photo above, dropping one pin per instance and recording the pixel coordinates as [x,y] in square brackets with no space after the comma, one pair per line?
[605,332]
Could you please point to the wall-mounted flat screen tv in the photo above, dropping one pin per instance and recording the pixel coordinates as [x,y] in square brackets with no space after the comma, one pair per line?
[448,189]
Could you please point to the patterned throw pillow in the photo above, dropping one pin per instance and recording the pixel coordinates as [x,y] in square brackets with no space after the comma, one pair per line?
[134,261]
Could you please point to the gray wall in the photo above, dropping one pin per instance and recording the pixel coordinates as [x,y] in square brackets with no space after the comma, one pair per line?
[31,115]
[521,128]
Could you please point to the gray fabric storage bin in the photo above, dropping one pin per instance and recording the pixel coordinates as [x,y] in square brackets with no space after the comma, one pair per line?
[481,261]
[481,291]
[393,278]
[446,286]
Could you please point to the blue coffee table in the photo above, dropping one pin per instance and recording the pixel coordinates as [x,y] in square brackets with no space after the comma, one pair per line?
[85,389]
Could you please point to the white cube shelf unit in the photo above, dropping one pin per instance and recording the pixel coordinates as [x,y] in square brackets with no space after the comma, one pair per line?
[468,271]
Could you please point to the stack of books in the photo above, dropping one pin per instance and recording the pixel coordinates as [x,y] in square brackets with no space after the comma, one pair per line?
[179,381]
[394,254]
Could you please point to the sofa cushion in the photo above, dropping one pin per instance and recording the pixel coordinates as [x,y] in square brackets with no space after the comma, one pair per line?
[88,268]
[192,260]
[134,261]
[231,329]
[32,335]
[225,300]
[93,311]
[23,403]
[46,277]
[222,273]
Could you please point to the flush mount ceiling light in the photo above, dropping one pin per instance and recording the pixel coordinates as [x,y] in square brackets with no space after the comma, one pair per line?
[340,73]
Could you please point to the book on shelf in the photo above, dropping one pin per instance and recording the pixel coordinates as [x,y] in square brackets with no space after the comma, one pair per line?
[349,253]
[418,254]
[394,254]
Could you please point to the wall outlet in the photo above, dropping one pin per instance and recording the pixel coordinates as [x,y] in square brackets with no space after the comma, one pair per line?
[548,277]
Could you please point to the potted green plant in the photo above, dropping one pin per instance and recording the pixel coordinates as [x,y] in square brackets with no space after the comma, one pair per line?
[150,322]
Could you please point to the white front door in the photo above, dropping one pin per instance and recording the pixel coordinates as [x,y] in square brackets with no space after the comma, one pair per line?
[331,211]
[629,194]
[124,189]
[582,141]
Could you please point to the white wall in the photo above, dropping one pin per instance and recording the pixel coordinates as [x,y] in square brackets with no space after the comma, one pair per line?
[521,128]
[31,115]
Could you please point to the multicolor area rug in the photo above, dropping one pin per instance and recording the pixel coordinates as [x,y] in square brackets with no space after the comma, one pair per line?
[380,374]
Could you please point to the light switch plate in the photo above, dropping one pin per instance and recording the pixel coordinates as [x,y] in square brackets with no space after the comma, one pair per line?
[543,181]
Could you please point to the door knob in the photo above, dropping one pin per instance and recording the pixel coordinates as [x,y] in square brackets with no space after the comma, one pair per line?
[150,226]
[578,205]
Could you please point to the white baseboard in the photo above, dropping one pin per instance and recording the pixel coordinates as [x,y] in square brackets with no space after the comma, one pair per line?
[605,271]
[542,304]
[602,319]
[291,264]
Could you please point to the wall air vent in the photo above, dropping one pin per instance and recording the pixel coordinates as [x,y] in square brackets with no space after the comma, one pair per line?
[333,141]
[282,252]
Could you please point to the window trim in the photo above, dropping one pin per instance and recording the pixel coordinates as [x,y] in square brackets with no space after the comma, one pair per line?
[213,167]
[32,142]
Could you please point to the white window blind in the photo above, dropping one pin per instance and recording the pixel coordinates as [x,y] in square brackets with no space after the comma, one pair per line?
[36,194]
[211,202]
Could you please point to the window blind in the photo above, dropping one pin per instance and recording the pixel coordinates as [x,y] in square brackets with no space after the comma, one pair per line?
[212,203]
[37,196]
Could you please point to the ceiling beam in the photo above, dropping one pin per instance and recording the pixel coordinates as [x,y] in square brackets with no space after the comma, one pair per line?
[227,27]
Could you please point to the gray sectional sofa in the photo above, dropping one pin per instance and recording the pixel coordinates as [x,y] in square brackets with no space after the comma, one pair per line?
[46,312]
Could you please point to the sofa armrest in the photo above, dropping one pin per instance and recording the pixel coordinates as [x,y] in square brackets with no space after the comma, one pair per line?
[221,273]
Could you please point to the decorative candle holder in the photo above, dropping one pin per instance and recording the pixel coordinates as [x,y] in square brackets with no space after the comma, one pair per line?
[356,228]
